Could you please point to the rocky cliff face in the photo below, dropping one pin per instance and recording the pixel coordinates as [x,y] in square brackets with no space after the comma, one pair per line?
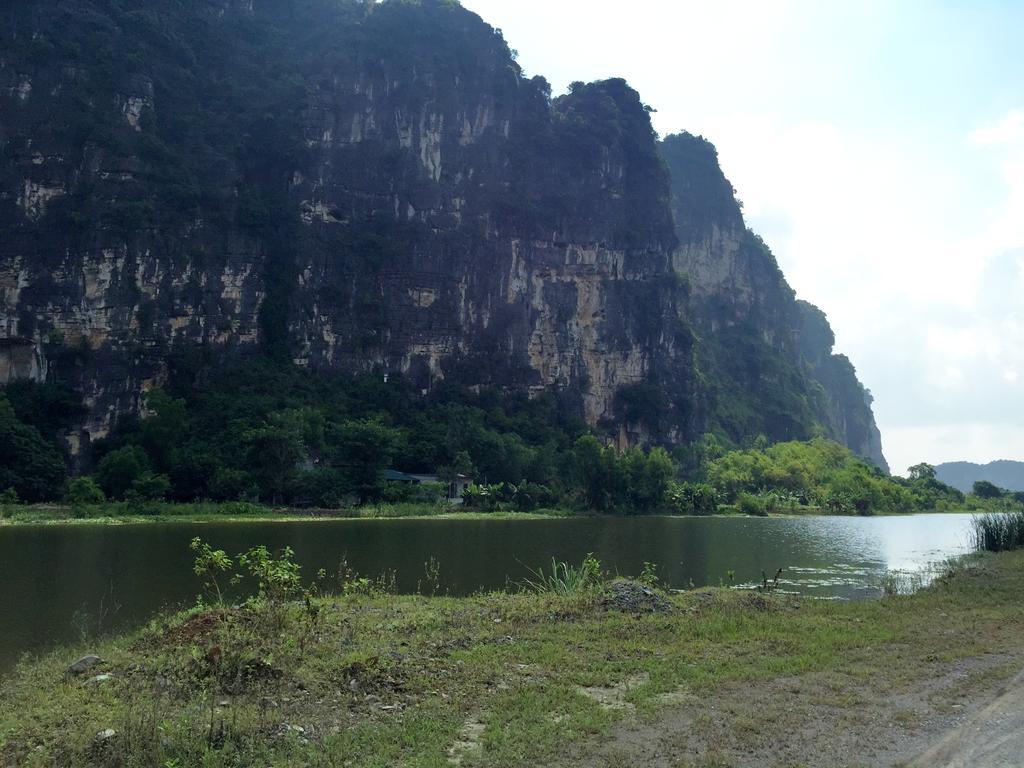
[769,357]
[351,186]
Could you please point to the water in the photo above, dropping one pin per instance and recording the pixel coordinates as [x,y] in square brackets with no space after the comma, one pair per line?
[58,581]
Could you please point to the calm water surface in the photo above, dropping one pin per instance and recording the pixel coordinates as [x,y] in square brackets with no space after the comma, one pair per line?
[57,581]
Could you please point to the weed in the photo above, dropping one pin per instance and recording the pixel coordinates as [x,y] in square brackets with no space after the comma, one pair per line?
[565,579]
[649,575]
[432,575]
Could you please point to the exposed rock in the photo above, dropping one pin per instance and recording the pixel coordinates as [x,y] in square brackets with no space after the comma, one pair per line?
[83,664]
[634,597]
[99,679]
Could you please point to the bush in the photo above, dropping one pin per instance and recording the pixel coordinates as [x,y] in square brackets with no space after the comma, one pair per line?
[84,490]
[414,493]
[239,508]
[488,498]
[749,504]
[150,487]
[532,496]
[692,499]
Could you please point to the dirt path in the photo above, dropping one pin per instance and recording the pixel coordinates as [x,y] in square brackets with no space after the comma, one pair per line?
[991,738]
[961,714]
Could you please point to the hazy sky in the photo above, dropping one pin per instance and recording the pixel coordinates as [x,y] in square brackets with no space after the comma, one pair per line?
[879,149]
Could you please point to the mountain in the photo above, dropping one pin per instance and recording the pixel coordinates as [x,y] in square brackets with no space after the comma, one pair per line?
[963,474]
[352,186]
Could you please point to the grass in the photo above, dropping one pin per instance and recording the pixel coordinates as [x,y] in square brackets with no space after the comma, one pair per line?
[372,679]
[565,579]
[120,513]
[999,532]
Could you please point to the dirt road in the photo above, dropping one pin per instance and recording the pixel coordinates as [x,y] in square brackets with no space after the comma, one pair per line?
[967,714]
[991,738]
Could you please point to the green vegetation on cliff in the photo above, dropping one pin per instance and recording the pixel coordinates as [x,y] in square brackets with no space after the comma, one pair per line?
[266,433]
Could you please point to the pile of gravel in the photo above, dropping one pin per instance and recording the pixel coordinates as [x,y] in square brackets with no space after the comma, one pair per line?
[634,597]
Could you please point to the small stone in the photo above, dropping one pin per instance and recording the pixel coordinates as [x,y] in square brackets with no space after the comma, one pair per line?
[99,679]
[224,703]
[353,685]
[106,735]
[83,664]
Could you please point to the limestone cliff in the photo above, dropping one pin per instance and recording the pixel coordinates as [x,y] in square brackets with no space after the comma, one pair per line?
[351,186]
[768,356]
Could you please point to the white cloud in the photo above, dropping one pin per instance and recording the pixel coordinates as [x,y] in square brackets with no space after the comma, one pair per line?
[883,203]
[1007,130]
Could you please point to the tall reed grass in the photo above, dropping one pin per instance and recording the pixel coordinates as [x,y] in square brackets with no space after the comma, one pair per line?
[1000,531]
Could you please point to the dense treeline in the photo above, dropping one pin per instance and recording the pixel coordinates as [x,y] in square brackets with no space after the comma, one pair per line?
[259,431]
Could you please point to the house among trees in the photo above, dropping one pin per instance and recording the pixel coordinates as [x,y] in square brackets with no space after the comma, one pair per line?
[455,488]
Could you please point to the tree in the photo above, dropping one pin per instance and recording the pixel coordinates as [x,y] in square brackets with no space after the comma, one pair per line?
[983,489]
[647,477]
[164,430]
[119,470]
[920,472]
[362,451]
[273,453]
[598,473]
[29,464]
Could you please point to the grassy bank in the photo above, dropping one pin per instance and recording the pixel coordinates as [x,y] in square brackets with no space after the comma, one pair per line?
[120,513]
[371,679]
[127,513]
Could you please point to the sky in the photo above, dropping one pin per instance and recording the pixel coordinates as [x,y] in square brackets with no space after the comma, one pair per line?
[878,147]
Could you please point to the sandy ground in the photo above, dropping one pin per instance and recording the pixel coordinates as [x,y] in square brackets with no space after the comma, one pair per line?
[966,714]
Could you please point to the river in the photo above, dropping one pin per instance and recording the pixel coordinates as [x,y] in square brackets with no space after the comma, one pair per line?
[60,582]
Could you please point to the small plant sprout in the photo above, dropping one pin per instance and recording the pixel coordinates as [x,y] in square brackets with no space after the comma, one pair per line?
[649,575]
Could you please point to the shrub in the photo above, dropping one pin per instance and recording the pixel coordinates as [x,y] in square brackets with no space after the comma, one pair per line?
[749,504]
[150,487]
[239,508]
[692,499]
[278,581]
[488,498]
[211,565]
[84,490]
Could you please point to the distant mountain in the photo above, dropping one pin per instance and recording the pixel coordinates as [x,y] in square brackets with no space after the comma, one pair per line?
[964,474]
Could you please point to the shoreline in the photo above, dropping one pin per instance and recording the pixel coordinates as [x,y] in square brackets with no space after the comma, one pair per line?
[48,515]
[516,678]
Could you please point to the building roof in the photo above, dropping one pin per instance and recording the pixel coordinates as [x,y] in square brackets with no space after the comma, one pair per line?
[399,477]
